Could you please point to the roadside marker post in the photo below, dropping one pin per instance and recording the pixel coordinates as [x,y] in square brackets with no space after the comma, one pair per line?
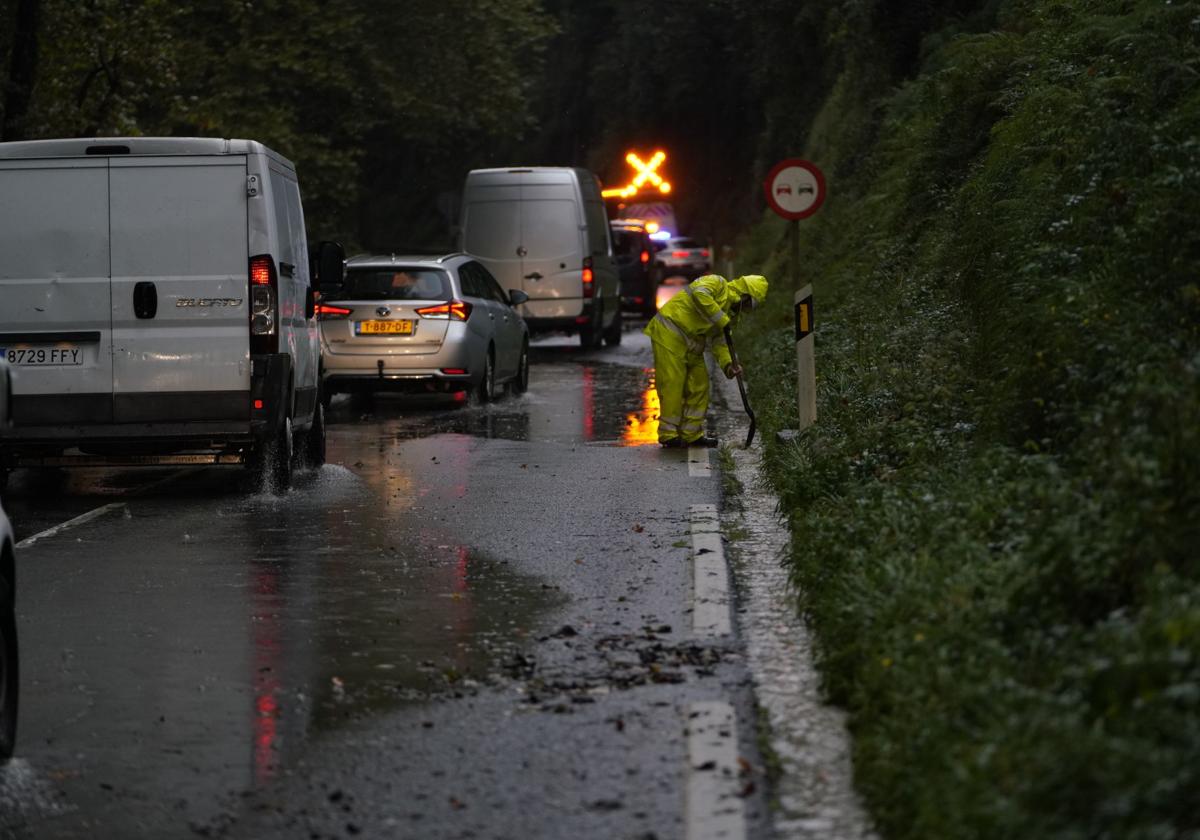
[806,369]
[795,189]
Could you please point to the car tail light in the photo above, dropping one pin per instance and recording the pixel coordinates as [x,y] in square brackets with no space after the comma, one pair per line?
[454,371]
[455,310]
[704,252]
[329,312]
[645,256]
[264,305]
[679,255]
[589,278]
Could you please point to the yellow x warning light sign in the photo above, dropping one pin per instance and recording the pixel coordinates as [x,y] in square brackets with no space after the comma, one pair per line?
[646,172]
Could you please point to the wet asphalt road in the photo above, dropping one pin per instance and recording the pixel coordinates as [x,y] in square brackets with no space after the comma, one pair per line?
[472,622]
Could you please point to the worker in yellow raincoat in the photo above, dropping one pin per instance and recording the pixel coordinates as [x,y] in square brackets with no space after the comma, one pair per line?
[687,324]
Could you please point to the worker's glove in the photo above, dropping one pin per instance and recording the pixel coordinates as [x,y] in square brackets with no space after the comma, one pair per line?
[732,370]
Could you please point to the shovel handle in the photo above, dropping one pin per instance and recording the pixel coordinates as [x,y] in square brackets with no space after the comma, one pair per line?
[741,386]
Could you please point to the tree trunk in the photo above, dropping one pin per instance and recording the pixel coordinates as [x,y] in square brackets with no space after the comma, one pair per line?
[19,90]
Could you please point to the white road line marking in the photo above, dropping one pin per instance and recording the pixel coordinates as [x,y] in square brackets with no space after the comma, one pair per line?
[710,575]
[699,465]
[714,805]
[71,523]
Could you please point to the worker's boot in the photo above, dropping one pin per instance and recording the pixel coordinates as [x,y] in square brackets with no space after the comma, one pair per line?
[707,440]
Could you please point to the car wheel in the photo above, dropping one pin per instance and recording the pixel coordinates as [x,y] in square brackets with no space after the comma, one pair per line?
[589,334]
[612,335]
[314,441]
[9,681]
[520,383]
[486,390]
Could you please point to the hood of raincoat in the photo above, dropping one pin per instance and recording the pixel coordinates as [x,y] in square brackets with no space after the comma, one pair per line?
[754,285]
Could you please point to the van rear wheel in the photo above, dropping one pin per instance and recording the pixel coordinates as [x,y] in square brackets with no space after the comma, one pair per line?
[589,334]
[270,461]
[612,335]
[314,440]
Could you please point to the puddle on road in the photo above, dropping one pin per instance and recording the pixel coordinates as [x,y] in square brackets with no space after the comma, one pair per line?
[358,605]
[567,403]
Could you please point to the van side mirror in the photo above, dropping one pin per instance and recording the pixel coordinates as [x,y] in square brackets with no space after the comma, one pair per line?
[516,297]
[331,266]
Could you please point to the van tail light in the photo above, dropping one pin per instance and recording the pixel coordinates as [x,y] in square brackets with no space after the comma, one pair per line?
[455,310]
[589,278]
[645,256]
[329,312]
[264,305]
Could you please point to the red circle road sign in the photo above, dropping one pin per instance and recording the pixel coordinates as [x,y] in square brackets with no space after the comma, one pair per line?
[795,188]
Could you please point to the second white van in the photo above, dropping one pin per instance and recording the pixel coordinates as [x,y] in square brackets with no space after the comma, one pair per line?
[544,230]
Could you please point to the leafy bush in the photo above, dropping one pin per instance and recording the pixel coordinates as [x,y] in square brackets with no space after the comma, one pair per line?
[996,518]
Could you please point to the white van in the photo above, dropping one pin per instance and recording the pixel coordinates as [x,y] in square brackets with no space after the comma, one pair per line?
[156,305]
[544,230]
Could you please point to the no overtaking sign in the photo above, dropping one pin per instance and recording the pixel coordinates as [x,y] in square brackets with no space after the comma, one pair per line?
[795,188]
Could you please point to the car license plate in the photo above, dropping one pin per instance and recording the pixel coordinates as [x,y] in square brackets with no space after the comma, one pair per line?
[384,327]
[60,355]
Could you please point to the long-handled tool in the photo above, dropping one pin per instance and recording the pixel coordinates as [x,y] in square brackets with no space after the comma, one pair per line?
[741,385]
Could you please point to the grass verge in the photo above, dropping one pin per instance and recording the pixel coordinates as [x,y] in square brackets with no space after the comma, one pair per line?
[995,518]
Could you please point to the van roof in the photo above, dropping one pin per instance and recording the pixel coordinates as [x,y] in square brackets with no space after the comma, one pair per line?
[544,174]
[111,146]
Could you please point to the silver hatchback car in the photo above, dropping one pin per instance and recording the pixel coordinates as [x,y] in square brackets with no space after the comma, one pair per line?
[421,325]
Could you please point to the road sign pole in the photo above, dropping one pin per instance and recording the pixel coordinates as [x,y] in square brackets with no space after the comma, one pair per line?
[806,369]
[795,189]
[795,254]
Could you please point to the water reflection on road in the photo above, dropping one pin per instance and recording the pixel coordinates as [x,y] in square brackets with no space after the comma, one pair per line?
[233,629]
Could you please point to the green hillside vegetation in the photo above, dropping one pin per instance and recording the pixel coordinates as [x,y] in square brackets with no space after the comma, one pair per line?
[997,518]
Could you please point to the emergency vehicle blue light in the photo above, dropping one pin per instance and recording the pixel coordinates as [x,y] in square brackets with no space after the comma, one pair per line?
[661,234]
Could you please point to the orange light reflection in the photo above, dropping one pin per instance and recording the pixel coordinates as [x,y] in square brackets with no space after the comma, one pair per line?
[641,429]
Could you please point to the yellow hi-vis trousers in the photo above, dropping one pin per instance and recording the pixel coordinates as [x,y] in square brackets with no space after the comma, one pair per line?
[681,379]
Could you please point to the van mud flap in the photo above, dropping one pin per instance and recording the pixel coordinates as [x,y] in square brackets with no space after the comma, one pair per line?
[270,375]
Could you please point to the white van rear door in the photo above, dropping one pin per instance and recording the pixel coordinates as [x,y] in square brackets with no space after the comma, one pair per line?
[179,235]
[553,244]
[492,230]
[55,326]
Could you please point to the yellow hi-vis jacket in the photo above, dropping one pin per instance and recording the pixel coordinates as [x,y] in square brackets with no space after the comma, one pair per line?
[696,317]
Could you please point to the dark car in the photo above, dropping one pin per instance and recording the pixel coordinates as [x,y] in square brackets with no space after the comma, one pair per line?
[633,251]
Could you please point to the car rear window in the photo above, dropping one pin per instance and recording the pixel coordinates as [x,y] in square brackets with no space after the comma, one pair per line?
[626,242]
[394,283]
[684,243]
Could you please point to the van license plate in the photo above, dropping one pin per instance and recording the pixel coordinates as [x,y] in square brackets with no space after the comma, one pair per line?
[57,356]
[384,327]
